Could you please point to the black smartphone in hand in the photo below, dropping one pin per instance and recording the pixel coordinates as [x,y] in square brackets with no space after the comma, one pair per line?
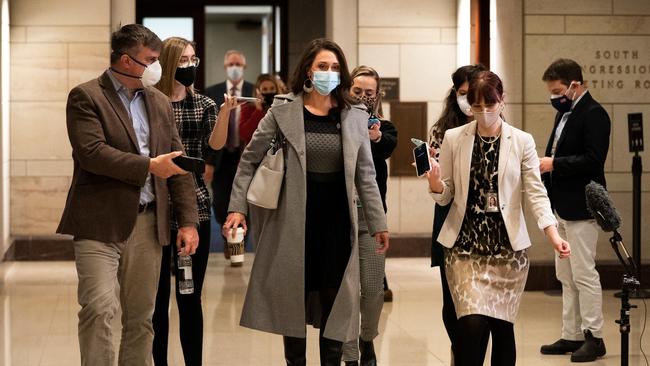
[421,156]
[190,164]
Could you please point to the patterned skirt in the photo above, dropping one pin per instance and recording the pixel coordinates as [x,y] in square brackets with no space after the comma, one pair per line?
[489,285]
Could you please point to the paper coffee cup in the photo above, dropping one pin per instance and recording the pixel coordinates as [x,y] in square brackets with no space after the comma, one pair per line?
[236,245]
[239,235]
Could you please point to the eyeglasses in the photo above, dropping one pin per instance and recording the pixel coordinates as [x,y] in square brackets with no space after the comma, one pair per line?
[194,61]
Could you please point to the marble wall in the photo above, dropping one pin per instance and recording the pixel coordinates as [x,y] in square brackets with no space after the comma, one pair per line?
[611,40]
[55,45]
[415,41]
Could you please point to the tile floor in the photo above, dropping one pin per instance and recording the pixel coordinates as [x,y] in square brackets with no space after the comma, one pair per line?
[38,320]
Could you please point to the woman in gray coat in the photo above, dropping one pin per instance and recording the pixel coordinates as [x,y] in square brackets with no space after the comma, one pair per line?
[306,268]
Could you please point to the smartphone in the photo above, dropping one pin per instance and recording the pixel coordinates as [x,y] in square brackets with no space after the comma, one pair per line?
[373,121]
[421,155]
[190,164]
[247,99]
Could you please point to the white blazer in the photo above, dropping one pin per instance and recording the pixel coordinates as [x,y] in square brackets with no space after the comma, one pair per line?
[518,177]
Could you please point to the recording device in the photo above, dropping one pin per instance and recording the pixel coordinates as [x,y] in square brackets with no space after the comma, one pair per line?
[601,207]
[190,164]
[246,99]
[635,131]
[421,155]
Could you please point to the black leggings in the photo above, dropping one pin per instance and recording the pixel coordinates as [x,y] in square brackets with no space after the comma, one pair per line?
[190,312]
[471,329]
[448,310]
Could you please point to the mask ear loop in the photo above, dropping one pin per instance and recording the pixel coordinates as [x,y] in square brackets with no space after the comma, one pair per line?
[573,83]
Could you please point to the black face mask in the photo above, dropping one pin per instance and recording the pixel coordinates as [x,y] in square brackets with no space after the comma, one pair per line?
[268,98]
[562,104]
[185,75]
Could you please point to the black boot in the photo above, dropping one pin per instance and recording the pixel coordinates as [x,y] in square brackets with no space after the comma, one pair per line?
[294,351]
[368,357]
[561,347]
[590,350]
[330,351]
[351,363]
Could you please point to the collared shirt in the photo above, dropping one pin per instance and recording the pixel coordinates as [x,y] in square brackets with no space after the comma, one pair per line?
[560,126]
[137,110]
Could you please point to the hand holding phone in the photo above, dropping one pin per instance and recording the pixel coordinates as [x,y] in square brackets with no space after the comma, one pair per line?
[373,121]
[422,159]
[190,164]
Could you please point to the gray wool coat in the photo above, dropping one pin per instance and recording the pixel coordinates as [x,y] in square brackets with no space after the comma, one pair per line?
[275,299]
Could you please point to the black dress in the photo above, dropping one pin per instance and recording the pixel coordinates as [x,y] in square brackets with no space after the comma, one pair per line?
[327,227]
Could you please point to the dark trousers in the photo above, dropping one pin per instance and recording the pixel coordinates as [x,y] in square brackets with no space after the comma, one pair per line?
[471,330]
[224,174]
[190,312]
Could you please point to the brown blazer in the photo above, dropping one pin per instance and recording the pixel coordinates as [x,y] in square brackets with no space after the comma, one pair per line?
[109,172]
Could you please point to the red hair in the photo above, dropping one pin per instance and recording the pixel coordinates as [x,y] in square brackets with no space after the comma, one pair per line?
[486,86]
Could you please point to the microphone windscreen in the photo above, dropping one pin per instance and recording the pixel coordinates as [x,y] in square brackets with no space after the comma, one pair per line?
[601,207]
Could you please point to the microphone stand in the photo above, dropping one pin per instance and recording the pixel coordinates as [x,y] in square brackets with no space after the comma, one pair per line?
[637,169]
[629,286]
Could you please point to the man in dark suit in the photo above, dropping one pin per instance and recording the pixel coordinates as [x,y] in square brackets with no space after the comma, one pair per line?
[123,139]
[575,155]
[222,164]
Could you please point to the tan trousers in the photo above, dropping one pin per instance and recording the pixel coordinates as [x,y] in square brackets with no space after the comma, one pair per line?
[132,268]
[582,296]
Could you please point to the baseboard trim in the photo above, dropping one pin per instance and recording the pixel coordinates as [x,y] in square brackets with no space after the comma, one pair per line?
[541,276]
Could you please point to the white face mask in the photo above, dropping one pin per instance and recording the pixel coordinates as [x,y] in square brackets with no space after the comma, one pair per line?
[151,75]
[235,73]
[463,104]
[488,119]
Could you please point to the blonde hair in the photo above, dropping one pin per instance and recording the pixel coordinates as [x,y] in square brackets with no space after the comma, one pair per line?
[170,56]
[364,70]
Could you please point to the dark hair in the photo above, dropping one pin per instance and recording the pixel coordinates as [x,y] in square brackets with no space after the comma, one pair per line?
[485,85]
[451,115]
[341,92]
[130,38]
[565,70]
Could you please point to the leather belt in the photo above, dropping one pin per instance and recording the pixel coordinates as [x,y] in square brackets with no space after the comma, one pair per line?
[146,206]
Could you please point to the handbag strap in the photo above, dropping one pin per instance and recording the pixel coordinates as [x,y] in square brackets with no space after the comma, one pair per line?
[278,142]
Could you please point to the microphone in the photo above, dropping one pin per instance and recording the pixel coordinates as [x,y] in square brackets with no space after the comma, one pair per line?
[601,207]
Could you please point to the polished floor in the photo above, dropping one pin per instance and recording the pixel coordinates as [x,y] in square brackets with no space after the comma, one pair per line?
[38,320]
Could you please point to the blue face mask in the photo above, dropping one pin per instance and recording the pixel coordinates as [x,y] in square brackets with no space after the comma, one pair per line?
[325,81]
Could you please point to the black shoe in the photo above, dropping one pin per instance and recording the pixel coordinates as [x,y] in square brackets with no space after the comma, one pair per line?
[368,357]
[590,350]
[351,363]
[295,350]
[561,347]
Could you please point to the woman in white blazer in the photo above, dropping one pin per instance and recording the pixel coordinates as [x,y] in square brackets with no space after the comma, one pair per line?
[489,169]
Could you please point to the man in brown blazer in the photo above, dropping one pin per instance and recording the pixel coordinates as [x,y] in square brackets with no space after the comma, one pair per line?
[123,140]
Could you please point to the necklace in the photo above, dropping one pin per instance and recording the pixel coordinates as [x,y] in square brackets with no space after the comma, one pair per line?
[489,142]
